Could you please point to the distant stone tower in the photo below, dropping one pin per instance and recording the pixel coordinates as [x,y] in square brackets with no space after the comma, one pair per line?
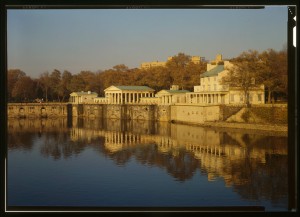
[218,58]
[174,87]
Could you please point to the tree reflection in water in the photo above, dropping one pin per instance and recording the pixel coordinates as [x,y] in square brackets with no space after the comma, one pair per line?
[255,165]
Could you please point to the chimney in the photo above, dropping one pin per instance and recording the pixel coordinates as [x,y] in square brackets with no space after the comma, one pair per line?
[174,87]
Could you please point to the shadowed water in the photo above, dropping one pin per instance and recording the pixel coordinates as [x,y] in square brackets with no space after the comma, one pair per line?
[114,163]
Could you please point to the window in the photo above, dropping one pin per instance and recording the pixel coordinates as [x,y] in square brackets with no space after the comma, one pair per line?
[215,87]
[232,97]
[250,97]
[259,97]
[203,87]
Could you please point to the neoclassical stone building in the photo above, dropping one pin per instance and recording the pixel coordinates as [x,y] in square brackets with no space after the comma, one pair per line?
[148,65]
[82,97]
[172,96]
[212,91]
[125,94]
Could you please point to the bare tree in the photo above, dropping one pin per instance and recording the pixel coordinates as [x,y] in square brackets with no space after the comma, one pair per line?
[13,76]
[274,75]
[24,89]
[244,72]
[45,84]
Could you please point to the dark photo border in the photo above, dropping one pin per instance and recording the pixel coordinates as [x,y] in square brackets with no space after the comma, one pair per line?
[293,98]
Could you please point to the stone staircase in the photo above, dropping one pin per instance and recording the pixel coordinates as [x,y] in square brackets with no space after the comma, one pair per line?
[238,117]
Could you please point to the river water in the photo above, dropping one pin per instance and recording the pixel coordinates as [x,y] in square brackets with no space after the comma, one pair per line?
[114,163]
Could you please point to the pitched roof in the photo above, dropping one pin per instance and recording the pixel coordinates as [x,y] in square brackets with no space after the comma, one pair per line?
[134,88]
[213,72]
[84,93]
[177,91]
[173,91]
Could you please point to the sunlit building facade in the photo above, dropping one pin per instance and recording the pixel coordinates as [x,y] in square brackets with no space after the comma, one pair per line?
[82,97]
[125,94]
[212,91]
[148,65]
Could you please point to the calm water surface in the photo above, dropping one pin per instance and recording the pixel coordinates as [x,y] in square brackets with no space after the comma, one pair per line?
[113,163]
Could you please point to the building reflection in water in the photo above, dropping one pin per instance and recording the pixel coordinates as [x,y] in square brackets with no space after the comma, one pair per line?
[255,165]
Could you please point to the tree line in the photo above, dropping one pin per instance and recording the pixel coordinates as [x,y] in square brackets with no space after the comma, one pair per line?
[180,70]
[252,68]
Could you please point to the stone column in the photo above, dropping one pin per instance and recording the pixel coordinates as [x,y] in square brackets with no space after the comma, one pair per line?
[129,96]
[125,98]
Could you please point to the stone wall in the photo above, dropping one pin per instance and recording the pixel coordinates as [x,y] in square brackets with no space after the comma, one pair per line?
[36,110]
[194,113]
[162,113]
[273,114]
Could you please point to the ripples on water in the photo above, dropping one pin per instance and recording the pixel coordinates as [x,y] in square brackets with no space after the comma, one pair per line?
[113,163]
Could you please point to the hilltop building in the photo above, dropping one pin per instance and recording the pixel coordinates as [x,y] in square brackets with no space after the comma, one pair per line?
[147,65]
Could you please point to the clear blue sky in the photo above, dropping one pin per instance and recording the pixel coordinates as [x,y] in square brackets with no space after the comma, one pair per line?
[76,40]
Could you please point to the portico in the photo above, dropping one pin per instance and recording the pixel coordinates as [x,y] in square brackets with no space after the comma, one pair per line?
[127,94]
[216,97]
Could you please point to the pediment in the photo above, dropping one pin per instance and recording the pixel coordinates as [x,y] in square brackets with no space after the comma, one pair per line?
[163,92]
[112,88]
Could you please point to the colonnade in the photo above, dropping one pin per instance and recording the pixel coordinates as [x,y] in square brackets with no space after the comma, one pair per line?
[206,98]
[75,99]
[166,99]
[127,97]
